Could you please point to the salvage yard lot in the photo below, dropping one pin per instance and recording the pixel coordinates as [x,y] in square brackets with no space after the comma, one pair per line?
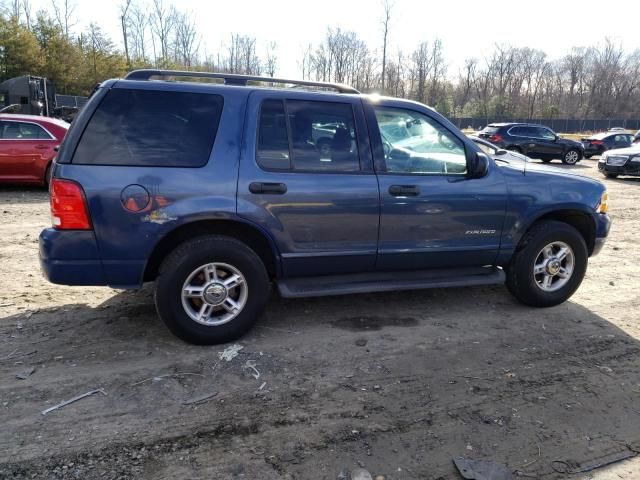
[400,383]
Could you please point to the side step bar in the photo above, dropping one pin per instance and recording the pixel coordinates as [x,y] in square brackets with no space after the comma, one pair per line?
[388,281]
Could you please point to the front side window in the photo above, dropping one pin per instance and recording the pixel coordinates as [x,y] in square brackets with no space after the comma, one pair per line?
[414,143]
[151,128]
[307,136]
[22,131]
[545,133]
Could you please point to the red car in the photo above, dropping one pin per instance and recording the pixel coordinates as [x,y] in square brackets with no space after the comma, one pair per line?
[28,145]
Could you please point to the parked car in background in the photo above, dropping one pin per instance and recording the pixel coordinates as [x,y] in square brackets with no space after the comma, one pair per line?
[535,141]
[623,161]
[636,137]
[498,153]
[601,142]
[617,129]
[28,145]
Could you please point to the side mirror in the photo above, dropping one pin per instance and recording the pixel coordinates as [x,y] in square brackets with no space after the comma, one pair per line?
[479,165]
[501,152]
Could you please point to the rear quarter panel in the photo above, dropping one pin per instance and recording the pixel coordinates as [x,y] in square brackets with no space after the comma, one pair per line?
[177,195]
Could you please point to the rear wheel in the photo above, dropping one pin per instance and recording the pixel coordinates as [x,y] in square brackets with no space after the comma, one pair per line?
[513,148]
[211,290]
[571,157]
[549,264]
[611,175]
[546,160]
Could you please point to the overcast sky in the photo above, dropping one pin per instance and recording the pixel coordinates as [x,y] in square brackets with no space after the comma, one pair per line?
[466,28]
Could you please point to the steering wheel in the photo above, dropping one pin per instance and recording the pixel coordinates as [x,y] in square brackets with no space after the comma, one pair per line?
[386,147]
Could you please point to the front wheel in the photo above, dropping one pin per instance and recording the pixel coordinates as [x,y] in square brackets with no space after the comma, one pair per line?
[549,265]
[211,290]
[571,157]
[611,175]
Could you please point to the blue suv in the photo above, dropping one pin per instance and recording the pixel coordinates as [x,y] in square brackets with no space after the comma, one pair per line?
[217,186]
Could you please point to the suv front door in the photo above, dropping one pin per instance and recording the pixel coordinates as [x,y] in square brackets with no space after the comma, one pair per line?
[306,178]
[433,215]
[546,145]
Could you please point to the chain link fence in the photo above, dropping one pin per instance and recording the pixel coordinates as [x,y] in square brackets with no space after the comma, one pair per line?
[561,125]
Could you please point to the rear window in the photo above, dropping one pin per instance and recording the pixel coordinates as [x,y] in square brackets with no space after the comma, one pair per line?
[151,128]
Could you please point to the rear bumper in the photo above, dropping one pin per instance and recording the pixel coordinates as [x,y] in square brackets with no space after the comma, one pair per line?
[70,257]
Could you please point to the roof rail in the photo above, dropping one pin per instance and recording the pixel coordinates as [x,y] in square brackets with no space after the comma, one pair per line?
[234,79]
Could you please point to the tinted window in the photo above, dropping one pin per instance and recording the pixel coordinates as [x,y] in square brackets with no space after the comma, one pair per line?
[273,141]
[414,143]
[323,136]
[520,131]
[545,133]
[22,131]
[149,128]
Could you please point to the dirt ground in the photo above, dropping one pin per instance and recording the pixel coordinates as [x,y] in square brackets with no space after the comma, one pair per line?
[398,383]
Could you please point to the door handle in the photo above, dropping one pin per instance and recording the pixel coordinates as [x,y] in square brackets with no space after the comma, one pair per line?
[41,147]
[404,190]
[268,188]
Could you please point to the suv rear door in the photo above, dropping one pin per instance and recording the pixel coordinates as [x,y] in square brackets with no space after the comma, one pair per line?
[306,177]
[433,215]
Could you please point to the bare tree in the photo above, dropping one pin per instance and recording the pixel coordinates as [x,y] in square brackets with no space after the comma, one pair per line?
[63,11]
[271,59]
[186,40]
[162,21]
[137,25]
[26,8]
[124,8]
[386,20]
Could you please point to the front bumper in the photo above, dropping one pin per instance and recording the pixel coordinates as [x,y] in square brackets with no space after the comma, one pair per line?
[70,257]
[603,225]
[632,167]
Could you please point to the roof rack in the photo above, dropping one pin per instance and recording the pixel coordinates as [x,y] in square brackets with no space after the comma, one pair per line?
[234,79]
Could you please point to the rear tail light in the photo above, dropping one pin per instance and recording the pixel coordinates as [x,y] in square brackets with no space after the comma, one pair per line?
[68,206]
[597,142]
[495,138]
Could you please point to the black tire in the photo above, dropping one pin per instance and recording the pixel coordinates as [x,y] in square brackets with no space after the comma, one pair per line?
[545,160]
[513,148]
[187,258]
[571,157]
[520,279]
[611,175]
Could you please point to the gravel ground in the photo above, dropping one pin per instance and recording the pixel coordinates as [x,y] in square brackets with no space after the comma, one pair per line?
[397,383]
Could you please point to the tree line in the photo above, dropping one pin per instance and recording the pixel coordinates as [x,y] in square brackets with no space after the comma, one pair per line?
[601,81]
[598,81]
